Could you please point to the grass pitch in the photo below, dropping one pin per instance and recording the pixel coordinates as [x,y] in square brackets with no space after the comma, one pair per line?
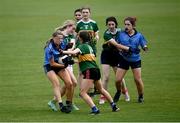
[24,89]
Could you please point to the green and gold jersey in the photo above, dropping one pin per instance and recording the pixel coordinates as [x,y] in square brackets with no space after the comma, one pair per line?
[108,36]
[91,27]
[86,57]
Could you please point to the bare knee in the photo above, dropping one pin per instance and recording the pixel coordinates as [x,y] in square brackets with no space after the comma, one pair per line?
[119,80]
[138,81]
[69,85]
[83,92]
[106,79]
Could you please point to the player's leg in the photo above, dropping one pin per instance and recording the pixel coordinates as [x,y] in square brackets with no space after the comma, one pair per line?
[106,94]
[56,89]
[85,86]
[120,73]
[105,80]
[80,77]
[74,82]
[64,75]
[125,90]
[139,83]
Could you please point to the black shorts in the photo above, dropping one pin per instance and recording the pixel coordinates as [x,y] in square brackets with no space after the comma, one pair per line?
[92,73]
[110,57]
[124,64]
[48,68]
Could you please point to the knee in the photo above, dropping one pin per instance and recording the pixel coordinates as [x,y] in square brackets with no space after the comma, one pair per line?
[74,83]
[82,92]
[138,80]
[119,80]
[106,79]
[56,84]
[69,85]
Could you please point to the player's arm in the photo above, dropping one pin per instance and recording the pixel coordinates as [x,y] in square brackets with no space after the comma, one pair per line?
[73,43]
[143,43]
[73,52]
[54,64]
[118,46]
[97,35]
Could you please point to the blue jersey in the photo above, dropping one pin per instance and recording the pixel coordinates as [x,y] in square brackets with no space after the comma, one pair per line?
[52,52]
[133,41]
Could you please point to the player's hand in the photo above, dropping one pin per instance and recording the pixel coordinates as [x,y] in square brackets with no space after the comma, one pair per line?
[60,51]
[145,49]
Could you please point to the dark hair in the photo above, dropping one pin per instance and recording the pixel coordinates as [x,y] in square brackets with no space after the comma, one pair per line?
[84,35]
[112,19]
[86,7]
[132,20]
[77,10]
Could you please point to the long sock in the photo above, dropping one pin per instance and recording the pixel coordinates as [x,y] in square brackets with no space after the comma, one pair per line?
[94,109]
[68,103]
[112,104]
[140,95]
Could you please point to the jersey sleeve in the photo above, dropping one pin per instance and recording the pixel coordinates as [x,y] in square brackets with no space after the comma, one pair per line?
[143,41]
[107,37]
[118,38]
[77,28]
[49,53]
[96,29]
[80,47]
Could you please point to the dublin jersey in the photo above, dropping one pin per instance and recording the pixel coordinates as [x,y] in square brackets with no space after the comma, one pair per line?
[108,35]
[133,41]
[86,57]
[51,52]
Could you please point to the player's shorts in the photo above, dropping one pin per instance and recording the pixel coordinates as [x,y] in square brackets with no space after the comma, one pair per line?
[92,73]
[48,68]
[124,64]
[110,57]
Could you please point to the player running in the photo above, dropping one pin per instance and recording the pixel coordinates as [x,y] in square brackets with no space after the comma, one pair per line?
[90,71]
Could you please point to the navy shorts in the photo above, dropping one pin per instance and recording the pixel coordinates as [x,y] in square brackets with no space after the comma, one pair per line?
[110,57]
[92,73]
[48,68]
[124,64]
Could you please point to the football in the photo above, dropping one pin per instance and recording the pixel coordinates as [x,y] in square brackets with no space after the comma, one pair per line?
[60,60]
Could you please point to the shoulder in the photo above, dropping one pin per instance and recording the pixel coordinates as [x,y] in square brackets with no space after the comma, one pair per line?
[49,47]
[139,34]
[92,21]
[107,32]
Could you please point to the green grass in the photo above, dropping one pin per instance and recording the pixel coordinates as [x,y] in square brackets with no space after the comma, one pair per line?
[24,89]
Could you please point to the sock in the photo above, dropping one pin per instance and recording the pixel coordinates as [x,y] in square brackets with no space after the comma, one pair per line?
[94,109]
[140,95]
[112,104]
[68,103]
[61,104]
